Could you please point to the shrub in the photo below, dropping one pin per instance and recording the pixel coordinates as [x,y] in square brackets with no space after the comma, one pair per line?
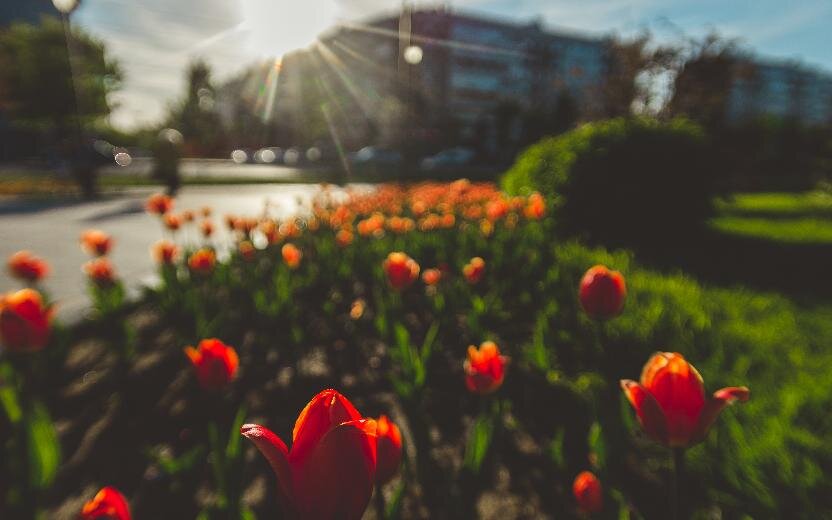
[623,181]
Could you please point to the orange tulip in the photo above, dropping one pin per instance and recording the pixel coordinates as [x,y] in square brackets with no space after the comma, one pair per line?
[484,368]
[431,276]
[670,400]
[496,209]
[24,321]
[401,270]
[215,363]
[26,266]
[100,271]
[330,471]
[95,242]
[343,237]
[207,228]
[171,221]
[164,252]
[389,446]
[474,270]
[206,211]
[291,255]
[159,204]
[536,207]
[108,504]
[202,261]
[247,250]
[602,293]
[588,493]
[357,309]
[187,216]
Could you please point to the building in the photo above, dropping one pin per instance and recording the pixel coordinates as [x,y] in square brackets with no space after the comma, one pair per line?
[439,76]
[782,90]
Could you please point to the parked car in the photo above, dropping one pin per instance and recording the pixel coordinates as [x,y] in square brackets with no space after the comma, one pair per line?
[375,156]
[450,158]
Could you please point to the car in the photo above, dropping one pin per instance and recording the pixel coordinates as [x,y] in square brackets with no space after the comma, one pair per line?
[450,158]
[374,155]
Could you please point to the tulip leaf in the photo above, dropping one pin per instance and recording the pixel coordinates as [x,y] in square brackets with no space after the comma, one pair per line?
[8,395]
[479,441]
[42,446]
[232,449]
[597,445]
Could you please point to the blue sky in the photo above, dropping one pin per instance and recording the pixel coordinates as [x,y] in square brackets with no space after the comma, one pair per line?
[155,39]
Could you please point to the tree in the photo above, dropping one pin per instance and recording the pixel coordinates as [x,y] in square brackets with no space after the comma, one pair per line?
[195,116]
[56,81]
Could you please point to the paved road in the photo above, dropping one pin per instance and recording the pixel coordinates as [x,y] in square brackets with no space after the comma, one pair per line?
[217,168]
[51,230]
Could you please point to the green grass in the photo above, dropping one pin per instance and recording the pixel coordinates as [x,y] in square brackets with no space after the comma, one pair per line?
[794,218]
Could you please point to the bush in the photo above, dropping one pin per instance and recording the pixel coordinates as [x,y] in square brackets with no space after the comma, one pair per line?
[623,181]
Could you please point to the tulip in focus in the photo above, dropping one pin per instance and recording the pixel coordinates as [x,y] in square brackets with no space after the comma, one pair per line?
[602,293]
[670,400]
[100,271]
[401,270]
[202,261]
[158,204]
[108,504]
[331,469]
[484,368]
[431,276]
[389,446]
[95,242]
[215,363]
[291,255]
[24,321]
[164,252]
[474,270]
[588,492]
[23,265]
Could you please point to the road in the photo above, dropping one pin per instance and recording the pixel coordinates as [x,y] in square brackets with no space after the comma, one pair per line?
[216,168]
[51,230]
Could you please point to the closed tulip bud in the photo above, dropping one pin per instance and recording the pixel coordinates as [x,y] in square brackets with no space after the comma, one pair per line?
[172,222]
[431,276]
[95,242]
[588,492]
[670,400]
[187,216]
[343,237]
[207,228]
[202,261]
[389,445]
[602,293]
[401,270]
[474,270]
[24,321]
[26,266]
[159,204]
[291,255]
[214,362]
[100,272]
[247,250]
[496,209]
[357,309]
[331,469]
[164,252]
[206,211]
[536,207]
[108,504]
[485,368]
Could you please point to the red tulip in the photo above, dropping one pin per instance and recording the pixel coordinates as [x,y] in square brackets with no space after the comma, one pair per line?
[100,271]
[26,266]
[159,204]
[291,255]
[401,270]
[588,492]
[171,221]
[108,504]
[24,321]
[536,207]
[95,242]
[202,261]
[474,270]
[389,445]
[602,293]
[431,276]
[215,363]
[330,471]
[484,368]
[670,400]
[164,252]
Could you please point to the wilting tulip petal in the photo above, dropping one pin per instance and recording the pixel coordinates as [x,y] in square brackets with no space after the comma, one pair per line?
[715,405]
[649,413]
[276,453]
[324,412]
[337,479]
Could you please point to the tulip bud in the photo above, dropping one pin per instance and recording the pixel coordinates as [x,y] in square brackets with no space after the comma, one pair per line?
[291,255]
[670,400]
[215,363]
[159,204]
[171,221]
[484,368]
[100,271]
[207,228]
[602,293]
[95,242]
[108,504]
[474,270]
[401,270]
[202,261]
[247,250]
[431,276]
[26,266]
[24,321]
[588,493]
[389,450]
[164,252]
[343,237]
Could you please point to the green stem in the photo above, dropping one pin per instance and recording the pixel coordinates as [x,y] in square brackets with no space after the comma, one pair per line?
[381,507]
[675,496]
[218,464]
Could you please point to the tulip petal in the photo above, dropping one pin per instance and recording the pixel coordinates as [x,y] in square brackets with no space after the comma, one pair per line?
[274,449]
[649,413]
[678,388]
[324,412]
[721,398]
[338,477]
